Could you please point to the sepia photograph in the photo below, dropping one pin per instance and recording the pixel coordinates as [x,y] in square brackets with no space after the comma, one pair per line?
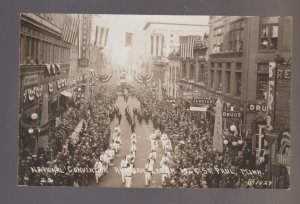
[154,101]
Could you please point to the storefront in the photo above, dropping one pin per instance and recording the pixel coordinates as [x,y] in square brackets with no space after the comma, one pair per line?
[40,92]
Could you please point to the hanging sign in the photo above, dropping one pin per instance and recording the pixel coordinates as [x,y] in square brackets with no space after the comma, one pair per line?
[271,95]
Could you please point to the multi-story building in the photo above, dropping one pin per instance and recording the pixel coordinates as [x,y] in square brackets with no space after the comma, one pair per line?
[238,71]
[162,39]
[47,57]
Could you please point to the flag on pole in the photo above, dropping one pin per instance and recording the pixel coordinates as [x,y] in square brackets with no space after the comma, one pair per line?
[187,45]
[101,36]
[70,32]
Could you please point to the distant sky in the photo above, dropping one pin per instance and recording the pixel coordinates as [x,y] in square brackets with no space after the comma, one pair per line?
[119,24]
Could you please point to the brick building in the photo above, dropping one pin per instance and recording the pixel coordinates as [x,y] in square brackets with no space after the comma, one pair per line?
[238,70]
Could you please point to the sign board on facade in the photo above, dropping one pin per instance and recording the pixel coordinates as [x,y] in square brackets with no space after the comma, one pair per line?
[31,80]
[201,109]
[271,95]
[203,100]
[188,94]
[252,107]
[84,62]
[231,114]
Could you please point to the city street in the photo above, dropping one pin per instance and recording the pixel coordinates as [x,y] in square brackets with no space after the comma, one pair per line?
[143,131]
[208,110]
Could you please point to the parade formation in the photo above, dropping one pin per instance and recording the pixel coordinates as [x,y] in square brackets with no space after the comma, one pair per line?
[171,107]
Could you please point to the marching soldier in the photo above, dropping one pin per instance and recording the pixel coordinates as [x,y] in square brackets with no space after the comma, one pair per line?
[98,170]
[128,173]
[165,172]
[153,154]
[133,148]
[133,138]
[124,163]
[148,172]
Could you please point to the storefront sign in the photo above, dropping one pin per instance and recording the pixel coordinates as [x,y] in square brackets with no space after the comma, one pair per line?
[31,80]
[231,114]
[202,109]
[284,74]
[187,94]
[203,100]
[257,108]
[271,94]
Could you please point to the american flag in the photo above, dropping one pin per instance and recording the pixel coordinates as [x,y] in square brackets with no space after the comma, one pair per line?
[101,36]
[187,46]
[70,32]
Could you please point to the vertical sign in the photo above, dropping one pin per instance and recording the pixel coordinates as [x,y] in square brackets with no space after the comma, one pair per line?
[271,96]
[86,24]
[218,129]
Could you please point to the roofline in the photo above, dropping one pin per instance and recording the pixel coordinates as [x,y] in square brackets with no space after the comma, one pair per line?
[148,24]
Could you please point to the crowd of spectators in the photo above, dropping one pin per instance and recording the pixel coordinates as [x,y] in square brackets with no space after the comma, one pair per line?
[68,160]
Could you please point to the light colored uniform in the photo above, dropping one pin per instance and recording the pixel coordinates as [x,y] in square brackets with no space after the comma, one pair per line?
[124,163]
[164,159]
[98,170]
[165,172]
[164,139]
[133,149]
[153,141]
[111,153]
[148,173]
[153,155]
[128,173]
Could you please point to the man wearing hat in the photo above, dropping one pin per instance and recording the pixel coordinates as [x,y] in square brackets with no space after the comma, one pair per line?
[148,172]
[128,173]
[98,170]
[124,163]
[165,172]
[133,148]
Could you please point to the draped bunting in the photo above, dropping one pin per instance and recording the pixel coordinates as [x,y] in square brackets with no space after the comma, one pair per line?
[32,93]
[143,79]
[53,68]
[101,78]
[50,84]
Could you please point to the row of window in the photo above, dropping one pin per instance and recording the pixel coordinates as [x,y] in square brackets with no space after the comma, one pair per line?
[37,51]
[268,38]
[194,73]
[216,82]
[157,41]
[216,78]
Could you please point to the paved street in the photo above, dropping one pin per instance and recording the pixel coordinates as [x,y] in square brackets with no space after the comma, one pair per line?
[143,131]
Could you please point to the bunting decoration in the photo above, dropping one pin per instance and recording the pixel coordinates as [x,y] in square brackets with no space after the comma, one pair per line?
[143,79]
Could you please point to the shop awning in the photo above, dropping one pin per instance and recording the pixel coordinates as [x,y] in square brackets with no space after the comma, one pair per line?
[66,93]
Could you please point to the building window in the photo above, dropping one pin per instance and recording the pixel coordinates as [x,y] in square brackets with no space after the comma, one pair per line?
[212,76]
[218,40]
[236,36]
[219,84]
[269,33]
[151,44]
[238,84]
[227,82]
[157,45]
[228,65]
[201,72]
[262,81]
[238,66]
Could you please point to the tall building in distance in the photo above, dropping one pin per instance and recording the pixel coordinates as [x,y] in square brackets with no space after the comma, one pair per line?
[163,38]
